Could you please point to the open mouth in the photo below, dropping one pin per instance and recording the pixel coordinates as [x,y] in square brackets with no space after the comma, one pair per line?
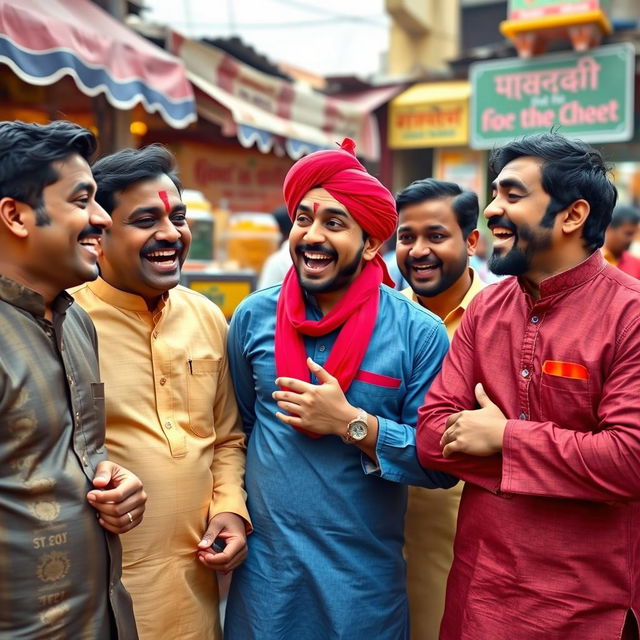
[424,269]
[502,236]
[316,261]
[91,244]
[163,259]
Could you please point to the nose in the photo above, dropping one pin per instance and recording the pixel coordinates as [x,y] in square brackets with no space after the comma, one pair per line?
[420,248]
[168,231]
[493,209]
[98,217]
[313,233]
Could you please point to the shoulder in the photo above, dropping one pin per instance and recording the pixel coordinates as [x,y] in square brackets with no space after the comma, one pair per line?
[397,303]
[81,293]
[183,297]
[76,316]
[261,301]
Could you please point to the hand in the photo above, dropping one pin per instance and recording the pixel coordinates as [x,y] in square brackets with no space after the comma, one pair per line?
[231,528]
[118,498]
[319,408]
[478,432]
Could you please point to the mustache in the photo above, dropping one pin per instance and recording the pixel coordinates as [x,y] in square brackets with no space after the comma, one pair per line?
[90,230]
[429,261]
[316,248]
[160,245]
[502,222]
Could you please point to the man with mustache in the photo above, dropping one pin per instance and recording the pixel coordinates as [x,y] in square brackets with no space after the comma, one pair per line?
[537,408]
[436,237]
[171,411]
[61,501]
[329,370]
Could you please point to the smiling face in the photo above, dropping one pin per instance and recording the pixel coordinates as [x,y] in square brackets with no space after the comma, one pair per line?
[149,240]
[431,251]
[326,244]
[515,217]
[63,246]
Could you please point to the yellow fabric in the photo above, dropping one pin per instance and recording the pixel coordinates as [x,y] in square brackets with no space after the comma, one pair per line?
[169,398]
[609,257]
[430,525]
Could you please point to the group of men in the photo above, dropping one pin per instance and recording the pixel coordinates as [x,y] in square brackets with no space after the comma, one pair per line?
[535,407]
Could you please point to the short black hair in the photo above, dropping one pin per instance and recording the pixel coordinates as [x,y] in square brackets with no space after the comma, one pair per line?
[116,172]
[464,203]
[281,215]
[27,154]
[624,214]
[571,170]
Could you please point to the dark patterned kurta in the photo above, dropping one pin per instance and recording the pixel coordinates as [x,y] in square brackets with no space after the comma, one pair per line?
[59,569]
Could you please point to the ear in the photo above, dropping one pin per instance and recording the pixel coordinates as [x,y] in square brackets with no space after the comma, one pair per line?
[12,217]
[371,248]
[574,217]
[472,242]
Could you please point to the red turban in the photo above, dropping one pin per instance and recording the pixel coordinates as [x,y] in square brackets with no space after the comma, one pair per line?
[339,172]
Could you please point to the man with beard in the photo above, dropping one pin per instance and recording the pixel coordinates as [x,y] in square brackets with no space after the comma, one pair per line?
[436,236]
[329,370]
[59,563]
[618,239]
[163,358]
[537,408]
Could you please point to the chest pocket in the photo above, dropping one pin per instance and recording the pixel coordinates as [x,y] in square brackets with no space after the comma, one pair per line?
[568,401]
[202,381]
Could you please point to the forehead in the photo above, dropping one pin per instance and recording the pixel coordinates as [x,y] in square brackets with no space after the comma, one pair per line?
[438,212]
[72,169]
[322,199]
[526,169]
[155,192]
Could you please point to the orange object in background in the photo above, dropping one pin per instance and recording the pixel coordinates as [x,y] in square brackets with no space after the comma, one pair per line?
[251,238]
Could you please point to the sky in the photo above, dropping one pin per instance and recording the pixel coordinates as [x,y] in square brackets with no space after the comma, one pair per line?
[326,37]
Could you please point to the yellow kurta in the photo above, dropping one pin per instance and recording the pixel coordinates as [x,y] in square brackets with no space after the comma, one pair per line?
[171,419]
[430,525]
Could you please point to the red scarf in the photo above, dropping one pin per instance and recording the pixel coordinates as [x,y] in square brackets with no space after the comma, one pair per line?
[356,313]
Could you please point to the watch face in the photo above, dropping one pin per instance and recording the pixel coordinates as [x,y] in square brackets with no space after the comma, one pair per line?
[358,430]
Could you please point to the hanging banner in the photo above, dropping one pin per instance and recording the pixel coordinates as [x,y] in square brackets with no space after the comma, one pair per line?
[584,95]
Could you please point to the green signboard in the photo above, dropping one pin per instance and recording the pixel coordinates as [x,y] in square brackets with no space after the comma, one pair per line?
[584,95]
[532,9]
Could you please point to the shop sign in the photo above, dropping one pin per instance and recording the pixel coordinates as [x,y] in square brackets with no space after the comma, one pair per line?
[535,9]
[587,95]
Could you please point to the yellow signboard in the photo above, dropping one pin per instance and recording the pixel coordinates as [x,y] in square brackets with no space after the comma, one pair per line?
[226,293]
[430,115]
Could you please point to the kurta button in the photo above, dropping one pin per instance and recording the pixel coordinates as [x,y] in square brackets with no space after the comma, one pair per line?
[535,319]
[163,380]
[524,373]
[523,416]
[322,348]
[168,424]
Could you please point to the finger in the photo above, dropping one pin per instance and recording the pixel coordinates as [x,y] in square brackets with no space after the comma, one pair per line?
[210,534]
[122,524]
[126,488]
[452,419]
[294,421]
[319,372]
[104,473]
[448,436]
[451,448]
[289,407]
[287,396]
[117,509]
[481,396]
[293,384]
[217,562]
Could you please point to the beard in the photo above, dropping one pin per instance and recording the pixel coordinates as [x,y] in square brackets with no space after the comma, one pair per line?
[449,275]
[341,280]
[517,261]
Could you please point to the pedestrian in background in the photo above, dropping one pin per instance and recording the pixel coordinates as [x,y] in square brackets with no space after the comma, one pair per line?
[620,234]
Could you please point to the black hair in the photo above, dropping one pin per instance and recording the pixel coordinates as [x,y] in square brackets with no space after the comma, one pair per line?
[464,203]
[623,214]
[27,154]
[281,216]
[116,172]
[571,170]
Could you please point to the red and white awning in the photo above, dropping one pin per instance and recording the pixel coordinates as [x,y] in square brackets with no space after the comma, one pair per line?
[44,40]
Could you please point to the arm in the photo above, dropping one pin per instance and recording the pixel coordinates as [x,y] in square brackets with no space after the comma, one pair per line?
[601,463]
[229,518]
[324,409]
[453,391]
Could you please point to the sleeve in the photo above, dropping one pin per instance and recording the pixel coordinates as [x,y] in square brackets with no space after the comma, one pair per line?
[396,445]
[229,453]
[601,463]
[241,371]
[453,391]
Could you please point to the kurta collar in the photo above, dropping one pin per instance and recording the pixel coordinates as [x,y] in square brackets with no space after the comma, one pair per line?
[573,277]
[31,301]
[123,299]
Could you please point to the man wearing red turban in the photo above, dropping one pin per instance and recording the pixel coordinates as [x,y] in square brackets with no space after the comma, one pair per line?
[329,370]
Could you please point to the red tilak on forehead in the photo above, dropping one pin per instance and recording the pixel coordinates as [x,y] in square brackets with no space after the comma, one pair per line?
[165,200]
[315,207]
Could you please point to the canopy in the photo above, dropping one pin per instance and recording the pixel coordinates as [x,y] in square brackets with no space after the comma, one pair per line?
[44,40]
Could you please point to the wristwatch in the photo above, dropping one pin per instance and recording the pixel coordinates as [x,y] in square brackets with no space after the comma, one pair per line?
[357,429]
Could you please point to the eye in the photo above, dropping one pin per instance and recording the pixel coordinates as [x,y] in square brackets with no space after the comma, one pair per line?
[438,237]
[82,201]
[514,196]
[334,223]
[405,238]
[302,219]
[179,219]
[145,222]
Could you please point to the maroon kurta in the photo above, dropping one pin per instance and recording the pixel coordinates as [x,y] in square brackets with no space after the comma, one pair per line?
[548,541]
[629,264]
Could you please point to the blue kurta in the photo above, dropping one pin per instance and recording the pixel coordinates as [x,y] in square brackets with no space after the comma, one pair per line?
[325,557]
